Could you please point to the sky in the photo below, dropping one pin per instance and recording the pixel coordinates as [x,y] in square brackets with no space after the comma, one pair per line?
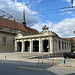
[55,14]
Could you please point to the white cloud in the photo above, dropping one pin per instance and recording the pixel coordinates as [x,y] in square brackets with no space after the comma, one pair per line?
[64,28]
[70,2]
[16,9]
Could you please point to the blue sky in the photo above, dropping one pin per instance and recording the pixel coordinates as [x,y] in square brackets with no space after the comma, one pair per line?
[43,12]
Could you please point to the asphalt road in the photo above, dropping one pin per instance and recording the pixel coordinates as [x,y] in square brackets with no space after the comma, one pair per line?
[18,69]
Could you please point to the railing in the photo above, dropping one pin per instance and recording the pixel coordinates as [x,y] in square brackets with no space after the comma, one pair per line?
[57,61]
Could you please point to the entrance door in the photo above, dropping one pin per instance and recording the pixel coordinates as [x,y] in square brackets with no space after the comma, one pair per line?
[45,45]
[35,46]
[19,46]
[27,46]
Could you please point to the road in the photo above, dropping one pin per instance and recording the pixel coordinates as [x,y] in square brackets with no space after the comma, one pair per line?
[18,69]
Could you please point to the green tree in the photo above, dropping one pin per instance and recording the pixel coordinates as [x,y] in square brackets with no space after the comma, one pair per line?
[72,45]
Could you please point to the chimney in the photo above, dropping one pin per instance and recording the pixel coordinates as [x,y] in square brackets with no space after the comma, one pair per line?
[24,22]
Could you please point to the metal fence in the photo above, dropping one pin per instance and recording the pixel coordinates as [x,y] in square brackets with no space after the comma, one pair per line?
[56,61]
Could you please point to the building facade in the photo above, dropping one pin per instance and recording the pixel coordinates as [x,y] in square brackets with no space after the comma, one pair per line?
[46,41]
[8,31]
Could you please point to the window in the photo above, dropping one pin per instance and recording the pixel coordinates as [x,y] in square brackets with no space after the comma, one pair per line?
[13,41]
[10,30]
[59,45]
[1,28]
[62,45]
[65,45]
[4,41]
[24,34]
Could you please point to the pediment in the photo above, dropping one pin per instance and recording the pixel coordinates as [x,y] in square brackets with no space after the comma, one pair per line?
[46,33]
[19,35]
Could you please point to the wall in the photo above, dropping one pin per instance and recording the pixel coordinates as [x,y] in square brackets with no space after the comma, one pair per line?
[9,47]
[63,47]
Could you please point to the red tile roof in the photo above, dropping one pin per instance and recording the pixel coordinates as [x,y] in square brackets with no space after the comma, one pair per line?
[71,38]
[17,26]
[54,33]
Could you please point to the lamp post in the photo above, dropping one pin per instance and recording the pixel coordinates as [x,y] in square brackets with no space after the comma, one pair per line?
[74,41]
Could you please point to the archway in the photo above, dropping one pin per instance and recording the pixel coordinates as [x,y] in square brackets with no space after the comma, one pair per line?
[45,46]
[35,46]
[27,46]
[19,46]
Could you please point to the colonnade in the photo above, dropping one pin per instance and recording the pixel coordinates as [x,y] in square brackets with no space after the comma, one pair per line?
[22,46]
[50,45]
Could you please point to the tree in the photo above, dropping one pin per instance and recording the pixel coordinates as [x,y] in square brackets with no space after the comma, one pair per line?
[72,45]
[74,32]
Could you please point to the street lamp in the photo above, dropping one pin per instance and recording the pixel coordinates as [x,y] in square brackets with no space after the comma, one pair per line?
[74,39]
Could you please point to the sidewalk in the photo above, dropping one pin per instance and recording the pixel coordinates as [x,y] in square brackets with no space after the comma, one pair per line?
[24,58]
[35,62]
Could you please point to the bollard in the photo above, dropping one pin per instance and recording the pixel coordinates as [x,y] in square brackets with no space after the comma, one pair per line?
[5,57]
[42,59]
[22,56]
[38,61]
[53,62]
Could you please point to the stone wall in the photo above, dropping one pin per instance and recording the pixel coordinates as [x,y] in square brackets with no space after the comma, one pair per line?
[9,47]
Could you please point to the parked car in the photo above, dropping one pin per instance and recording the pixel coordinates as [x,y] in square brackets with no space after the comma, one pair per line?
[69,55]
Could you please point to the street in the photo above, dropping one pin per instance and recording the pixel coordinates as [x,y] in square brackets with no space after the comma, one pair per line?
[18,69]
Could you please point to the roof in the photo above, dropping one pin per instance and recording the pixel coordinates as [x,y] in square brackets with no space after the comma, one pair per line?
[54,33]
[17,26]
[71,38]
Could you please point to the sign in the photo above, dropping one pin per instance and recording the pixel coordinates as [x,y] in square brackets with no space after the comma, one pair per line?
[47,46]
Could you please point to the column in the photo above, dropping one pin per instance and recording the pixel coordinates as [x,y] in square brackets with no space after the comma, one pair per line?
[57,46]
[31,46]
[51,44]
[23,46]
[64,46]
[61,45]
[15,46]
[40,45]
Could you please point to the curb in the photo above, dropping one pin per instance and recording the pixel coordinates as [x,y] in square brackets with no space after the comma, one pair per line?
[44,65]
[64,67]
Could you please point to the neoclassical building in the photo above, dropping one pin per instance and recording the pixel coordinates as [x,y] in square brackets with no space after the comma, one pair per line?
[46,41]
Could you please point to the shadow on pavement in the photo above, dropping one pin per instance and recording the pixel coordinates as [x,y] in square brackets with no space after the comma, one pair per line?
[71,74]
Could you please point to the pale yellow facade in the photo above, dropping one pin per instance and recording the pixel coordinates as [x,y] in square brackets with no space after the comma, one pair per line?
[9,47]
[9,35]
[46,41]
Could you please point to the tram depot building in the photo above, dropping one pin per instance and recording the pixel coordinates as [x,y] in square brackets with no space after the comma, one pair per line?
[15,37]
[46,41]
